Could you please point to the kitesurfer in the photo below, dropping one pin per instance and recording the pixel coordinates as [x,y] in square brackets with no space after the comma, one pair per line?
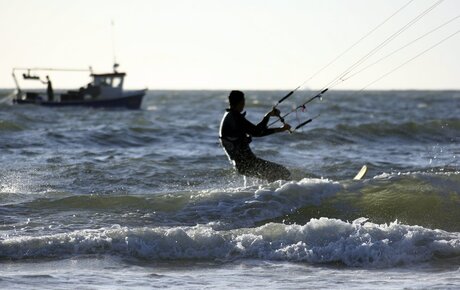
[235,135]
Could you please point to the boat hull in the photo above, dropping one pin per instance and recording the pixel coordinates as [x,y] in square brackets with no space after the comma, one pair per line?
[132,101]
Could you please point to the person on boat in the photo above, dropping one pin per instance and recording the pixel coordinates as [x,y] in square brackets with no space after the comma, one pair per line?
[235,135]
[49,89]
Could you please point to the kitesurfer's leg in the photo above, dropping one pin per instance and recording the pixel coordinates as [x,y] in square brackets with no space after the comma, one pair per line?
[271,171]
[262,169]
[247,166]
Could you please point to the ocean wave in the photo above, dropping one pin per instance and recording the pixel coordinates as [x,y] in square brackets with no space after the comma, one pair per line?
[357,244]
[426,199]
[230,207]
[419,198]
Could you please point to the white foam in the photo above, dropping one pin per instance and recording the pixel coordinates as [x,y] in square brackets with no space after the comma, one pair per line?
[323,240]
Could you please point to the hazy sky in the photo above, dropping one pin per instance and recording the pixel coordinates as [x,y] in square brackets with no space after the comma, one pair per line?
[226,44]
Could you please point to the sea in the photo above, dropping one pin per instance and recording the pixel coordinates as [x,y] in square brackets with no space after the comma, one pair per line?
[145,199]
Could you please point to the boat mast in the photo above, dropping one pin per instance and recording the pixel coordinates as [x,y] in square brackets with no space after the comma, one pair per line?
[115,64]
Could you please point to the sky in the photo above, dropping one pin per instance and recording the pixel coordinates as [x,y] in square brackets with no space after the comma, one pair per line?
[230,44]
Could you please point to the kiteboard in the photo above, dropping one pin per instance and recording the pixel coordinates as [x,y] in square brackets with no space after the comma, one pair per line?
[361,173]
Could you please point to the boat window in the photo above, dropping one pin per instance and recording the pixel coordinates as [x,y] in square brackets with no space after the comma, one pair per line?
[103,82]
[116,82]
[108,81]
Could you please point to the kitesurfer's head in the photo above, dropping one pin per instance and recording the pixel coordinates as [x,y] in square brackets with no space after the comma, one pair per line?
[236,100]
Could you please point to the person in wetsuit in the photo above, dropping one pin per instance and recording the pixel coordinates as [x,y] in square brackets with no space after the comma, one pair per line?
[235,135]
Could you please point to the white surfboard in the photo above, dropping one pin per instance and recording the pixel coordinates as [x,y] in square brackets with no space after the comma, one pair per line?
[361,173]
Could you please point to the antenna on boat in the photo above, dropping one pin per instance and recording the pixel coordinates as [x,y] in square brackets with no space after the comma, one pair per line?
[115,64]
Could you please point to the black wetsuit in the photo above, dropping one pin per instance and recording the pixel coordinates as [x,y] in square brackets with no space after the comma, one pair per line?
[235,135]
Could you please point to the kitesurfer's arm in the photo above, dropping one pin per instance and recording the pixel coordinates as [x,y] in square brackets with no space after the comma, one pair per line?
[261,129]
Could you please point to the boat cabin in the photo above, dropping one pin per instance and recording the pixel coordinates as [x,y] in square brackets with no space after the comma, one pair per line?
[110,84]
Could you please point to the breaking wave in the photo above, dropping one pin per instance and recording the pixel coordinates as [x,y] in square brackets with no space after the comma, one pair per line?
[358,243]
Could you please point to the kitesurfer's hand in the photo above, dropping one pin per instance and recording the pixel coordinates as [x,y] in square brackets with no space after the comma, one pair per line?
[275,112]
[286,127]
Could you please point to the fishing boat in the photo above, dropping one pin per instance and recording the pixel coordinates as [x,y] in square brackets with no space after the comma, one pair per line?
[105,90]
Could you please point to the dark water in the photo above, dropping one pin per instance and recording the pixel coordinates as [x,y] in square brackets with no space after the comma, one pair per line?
[147,198]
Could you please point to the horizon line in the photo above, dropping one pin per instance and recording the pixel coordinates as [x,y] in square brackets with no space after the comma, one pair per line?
[249,89]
